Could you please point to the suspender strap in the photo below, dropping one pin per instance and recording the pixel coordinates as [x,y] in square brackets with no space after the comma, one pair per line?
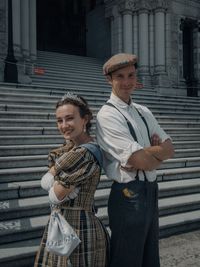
[132,131]
[145,122]
[95,150]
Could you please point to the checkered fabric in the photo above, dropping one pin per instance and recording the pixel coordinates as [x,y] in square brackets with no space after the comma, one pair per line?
[80,169]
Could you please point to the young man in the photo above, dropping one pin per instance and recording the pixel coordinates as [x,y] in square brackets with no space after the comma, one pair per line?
[134,145]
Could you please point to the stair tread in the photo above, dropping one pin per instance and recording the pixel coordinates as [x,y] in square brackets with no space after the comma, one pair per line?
[179,200]
[179,218]
[19,248]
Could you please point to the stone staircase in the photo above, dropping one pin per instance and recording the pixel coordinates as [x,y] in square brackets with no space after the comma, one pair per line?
[28,132]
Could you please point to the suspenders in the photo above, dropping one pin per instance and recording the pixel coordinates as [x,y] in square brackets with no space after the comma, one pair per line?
[131,129]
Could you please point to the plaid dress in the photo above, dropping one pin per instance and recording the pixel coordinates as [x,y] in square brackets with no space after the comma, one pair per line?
[77,166]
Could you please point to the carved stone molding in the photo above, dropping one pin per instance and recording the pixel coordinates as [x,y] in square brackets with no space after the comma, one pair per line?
[162,4]
[128,5]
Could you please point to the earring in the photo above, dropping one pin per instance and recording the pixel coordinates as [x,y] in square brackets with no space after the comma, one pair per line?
[84,130]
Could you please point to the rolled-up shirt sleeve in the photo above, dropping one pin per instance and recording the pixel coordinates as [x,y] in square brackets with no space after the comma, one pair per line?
[154,125]
[114,137]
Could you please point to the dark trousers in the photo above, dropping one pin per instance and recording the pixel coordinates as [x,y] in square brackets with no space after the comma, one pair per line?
[133,220]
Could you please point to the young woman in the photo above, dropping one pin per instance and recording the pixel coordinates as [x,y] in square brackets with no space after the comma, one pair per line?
[74,173]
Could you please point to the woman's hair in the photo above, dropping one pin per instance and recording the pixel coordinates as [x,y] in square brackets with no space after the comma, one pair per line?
[79,102]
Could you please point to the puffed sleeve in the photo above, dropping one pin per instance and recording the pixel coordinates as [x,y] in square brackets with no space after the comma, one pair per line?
[55,154]
[75,167]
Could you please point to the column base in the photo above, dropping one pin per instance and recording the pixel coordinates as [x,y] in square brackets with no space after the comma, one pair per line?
[145,79]
[2,66]
[162,84]
[23,75]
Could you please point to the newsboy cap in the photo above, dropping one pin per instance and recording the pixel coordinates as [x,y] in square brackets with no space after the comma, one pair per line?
[119,61]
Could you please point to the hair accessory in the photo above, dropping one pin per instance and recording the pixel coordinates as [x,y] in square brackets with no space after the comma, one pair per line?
[72,96]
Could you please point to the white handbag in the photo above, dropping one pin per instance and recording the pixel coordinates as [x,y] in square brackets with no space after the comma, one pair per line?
[61,237]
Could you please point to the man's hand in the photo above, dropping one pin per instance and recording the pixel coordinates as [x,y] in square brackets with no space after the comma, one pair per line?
[155,140]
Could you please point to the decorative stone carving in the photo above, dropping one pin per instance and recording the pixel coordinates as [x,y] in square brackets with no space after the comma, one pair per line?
[129,5]
[162,4]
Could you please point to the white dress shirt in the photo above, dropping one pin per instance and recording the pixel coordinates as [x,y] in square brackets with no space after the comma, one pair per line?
[116,141]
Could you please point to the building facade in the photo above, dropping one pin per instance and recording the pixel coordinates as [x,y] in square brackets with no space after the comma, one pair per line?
[164,34]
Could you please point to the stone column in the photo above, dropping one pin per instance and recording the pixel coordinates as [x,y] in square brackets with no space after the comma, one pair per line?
[16,28]
[116,31]
[160,41]
[127,32]
[33,37]
[143,42]
[161,78]
[25,28]
[24,64]
[135,33]
[151,43]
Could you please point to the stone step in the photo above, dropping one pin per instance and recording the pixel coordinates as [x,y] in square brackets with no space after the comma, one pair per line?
[22,174]
[178,173]
[32,188]
[31,139]
[42,149]
[22,150]
[59,92]
[41,160]
[169,118]
[39,205]
[29,130]
[179,204]
[35,173]
[53,91]
[179,187]
[186,144]
[37,139]
[179,223]
[180,153]
[185,136]
[51,122]
[50,109]
[19,254]
[71,69]
[51,116]
[32,227]
[22,253]
[11,98]
[23,161]
[180,131]
[180,163]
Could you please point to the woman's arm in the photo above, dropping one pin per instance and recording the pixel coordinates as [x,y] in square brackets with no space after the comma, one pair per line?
[60,191]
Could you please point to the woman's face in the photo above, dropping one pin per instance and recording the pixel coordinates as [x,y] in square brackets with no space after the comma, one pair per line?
[70,123]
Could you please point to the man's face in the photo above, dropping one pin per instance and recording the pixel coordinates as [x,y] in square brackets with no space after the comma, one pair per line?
[123,82]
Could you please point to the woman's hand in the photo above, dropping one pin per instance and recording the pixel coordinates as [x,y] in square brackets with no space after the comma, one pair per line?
[52,171]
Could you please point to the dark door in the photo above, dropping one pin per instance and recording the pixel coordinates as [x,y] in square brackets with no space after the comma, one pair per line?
[61,26]
[188,26]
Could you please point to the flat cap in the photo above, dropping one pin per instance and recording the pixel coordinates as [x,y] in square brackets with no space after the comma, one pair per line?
[119,61]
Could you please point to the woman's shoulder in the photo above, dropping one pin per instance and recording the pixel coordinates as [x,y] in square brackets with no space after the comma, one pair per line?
[94,149]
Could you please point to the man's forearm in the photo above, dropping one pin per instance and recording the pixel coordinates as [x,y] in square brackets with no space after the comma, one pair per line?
[161,152]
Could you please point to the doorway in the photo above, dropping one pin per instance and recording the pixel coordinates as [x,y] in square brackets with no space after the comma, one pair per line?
[61,26]
[187,26]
